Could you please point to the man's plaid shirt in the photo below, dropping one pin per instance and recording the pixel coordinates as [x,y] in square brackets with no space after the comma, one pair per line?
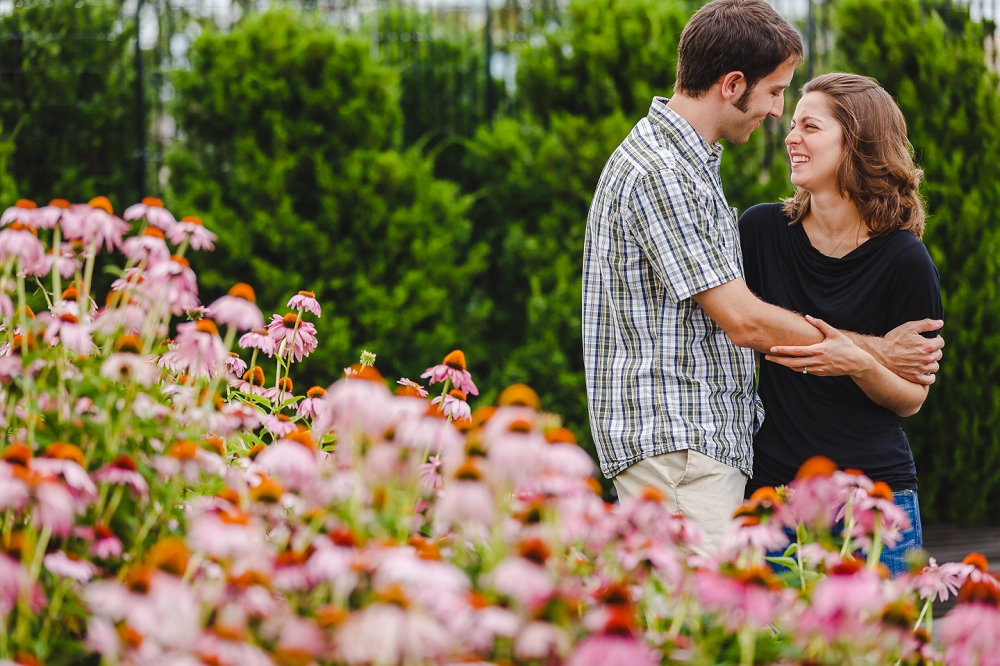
[661,375]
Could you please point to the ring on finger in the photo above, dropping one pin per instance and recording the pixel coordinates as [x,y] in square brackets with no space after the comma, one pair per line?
[805,371]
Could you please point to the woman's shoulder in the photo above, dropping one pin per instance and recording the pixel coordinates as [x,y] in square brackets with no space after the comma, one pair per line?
[765,213]
[907,248]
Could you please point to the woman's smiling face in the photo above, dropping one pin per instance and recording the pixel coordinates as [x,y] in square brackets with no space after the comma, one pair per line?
[815,143]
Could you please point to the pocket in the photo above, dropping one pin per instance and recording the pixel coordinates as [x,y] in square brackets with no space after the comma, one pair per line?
[686,474]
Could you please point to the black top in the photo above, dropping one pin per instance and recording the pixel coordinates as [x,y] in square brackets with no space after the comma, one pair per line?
[885,282]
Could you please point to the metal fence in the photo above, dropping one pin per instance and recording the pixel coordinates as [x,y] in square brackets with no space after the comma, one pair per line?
[104,127]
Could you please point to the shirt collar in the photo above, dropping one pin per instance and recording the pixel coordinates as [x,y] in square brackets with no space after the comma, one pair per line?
[683,135]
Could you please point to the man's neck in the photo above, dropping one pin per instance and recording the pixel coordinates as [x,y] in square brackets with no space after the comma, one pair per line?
[700,113]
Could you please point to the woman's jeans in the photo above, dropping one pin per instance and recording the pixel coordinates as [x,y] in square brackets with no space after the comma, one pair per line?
[895,559]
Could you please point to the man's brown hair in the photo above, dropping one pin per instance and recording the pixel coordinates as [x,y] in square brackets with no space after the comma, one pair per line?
[726,36]
[877,172]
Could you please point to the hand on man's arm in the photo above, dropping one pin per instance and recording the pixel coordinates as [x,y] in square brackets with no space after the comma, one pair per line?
[905,351]
[750,322]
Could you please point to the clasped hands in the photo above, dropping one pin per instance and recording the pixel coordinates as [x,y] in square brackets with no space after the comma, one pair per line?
[903,350]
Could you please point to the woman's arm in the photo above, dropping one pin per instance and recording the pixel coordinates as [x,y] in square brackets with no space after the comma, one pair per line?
[837,355]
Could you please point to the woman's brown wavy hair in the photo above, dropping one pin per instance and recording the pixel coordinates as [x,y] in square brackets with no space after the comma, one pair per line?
[877,172]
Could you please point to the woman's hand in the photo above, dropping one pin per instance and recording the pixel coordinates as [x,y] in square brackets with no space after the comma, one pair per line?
[836,356]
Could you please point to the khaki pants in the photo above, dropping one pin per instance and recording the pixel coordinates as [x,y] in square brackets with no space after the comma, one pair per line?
[698,486]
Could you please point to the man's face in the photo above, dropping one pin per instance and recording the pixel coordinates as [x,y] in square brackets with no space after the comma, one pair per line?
[767,98]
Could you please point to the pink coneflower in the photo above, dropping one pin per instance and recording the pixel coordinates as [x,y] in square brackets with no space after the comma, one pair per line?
[939,582]
[297,337]
[97,226]
[200,350]
[238,309]
[12,578]
[742,597]
[112,320]
[64,260]
[19,242]
[224,533]
[611,648]
[279,427]
[66,331]
[50,216]
[129,367]
[192,230]
[454,405]
[10,367]
[173,281]
[252,382]
[106,545]
[465,504]
[541,641]
[152,209]
[414,387]
[281,392]
[68,566]
[564,456]
[453,368]
[523,580]
[293,464]
[122,472]
[66,461]
[305,300]
[971,635]
[55,507]
[149,246]
[258,338]
[391,633]
[235,365]
[24,211]
[313,405]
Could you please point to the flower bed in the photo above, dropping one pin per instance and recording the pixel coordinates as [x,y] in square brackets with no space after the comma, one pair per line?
[178,502]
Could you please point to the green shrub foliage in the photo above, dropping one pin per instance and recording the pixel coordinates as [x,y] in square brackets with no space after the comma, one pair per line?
[931,59]
[67,96]
[292,151]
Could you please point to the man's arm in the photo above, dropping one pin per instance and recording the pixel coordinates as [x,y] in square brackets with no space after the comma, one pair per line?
[905,351]
[750,322]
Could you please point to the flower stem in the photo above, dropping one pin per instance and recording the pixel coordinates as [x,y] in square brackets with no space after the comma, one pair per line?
[88,277]
[56,275]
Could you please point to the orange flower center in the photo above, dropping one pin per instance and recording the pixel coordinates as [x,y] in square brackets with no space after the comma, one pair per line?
[560,436]
[27,204]
[535,550]
[124,462]
[68,318]
[881,490]
[63,451]
[215,444]
[129,343]
[191,219]
[70,294]
[60,203]
[308,294]
[171,555]
[455,359]
[520,395]
[244,291]
[154,232]
[816,466]
[152,201]
[290,320]
[254,376]
[207,326]
[468,471]
[316,392]
[183,450]
[102,203]
[16,454]
[460,395]
[177,259]
[285,384]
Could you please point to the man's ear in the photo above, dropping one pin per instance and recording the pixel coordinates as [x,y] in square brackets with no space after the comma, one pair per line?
[734,84]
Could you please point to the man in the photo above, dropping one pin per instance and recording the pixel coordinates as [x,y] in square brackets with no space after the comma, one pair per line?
[669,325]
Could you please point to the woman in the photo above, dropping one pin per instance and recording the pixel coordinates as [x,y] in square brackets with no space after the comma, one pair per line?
[845,250]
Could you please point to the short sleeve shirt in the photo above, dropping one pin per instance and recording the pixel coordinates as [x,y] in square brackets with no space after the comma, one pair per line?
[661,374]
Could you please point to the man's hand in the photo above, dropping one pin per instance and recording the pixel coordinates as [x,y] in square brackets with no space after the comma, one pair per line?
[906,352]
